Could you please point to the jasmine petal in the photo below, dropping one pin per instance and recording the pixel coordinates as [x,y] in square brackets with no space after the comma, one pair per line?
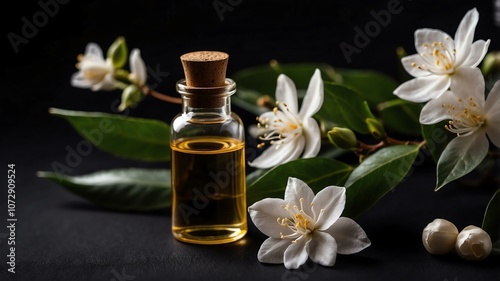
[279,154]
[312,136]
[313,100]
[264,215]
[286,94]
[323,249]
[138,68]
[492,107]
[296,253]
[332,202]
[420,88]
[297,189]
[272,250]
[350,237]
[477,53]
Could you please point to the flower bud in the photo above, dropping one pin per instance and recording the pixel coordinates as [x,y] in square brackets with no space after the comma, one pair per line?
[473,243]
[401,52]
[439,236]
[375,128]
[117,52]
[342,138]
[266,102]
[491,62]
[131,96]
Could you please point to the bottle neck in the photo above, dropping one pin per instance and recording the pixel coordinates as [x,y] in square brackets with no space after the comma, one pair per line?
[206,100]
[222,106]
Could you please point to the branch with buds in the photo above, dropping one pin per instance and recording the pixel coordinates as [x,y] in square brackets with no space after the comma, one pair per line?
[100,73]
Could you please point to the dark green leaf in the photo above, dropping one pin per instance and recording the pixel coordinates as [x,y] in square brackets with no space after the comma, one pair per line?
[316,172]
[437,138]
[491,221]
[127,137]
[460,157]
[121,189]
[496,248]
[255,175]
[401,116]
[375,87]
[377,175]
[344,107]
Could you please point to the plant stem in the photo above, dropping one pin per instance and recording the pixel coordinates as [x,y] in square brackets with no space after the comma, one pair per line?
[392,141]
[150,92]
[363,149]
[494,155]
[391,103]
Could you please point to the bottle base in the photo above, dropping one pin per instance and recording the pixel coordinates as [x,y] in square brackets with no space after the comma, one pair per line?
[209,235]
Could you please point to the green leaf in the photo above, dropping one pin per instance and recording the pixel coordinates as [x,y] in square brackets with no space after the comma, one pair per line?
[126,137]
[491,221]
[377,175]
[316,172]
[344,107]
[255,175]
[118,52]
[401,116]
[436,138]
[255,82]
[460,157]
[373,86]
[121,189]
[496,248]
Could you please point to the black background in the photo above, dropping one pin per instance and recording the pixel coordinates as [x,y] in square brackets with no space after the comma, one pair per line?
[62,237]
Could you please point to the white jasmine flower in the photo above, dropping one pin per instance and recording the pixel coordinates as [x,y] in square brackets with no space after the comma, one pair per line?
[304,225]
[138,72]
[441,59]
[471,117]
[291,132]
[96,72]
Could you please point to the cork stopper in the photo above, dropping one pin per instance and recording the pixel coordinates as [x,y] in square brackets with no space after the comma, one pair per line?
[205,68]
[205,73]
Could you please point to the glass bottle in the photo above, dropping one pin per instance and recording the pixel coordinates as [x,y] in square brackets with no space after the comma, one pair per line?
[208,166]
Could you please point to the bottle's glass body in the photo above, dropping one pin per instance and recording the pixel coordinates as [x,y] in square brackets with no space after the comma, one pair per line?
[208,167]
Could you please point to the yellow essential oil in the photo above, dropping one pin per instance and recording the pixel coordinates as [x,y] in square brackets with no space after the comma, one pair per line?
[208,184]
